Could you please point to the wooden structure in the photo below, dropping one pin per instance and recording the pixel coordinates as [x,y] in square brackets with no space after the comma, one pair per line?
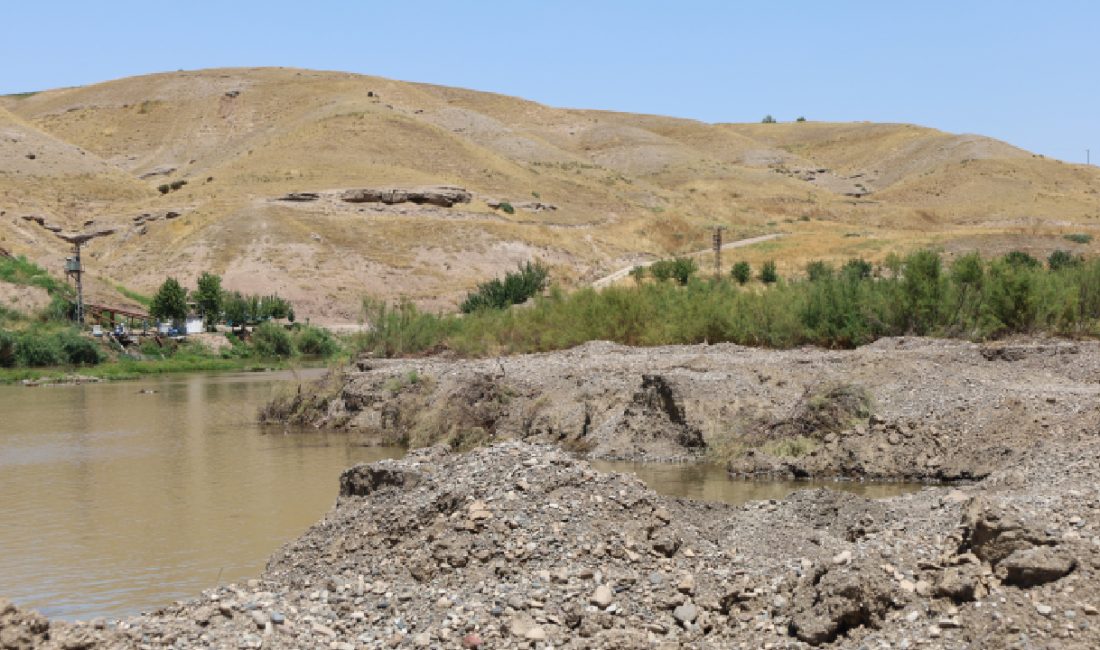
[112,316]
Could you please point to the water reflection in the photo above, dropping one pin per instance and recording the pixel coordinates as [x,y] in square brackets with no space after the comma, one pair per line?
[711,483]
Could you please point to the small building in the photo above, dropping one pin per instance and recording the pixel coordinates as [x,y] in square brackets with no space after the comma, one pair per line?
[193,325]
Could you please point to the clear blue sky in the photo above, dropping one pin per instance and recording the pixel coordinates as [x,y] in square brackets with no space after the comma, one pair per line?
[1028,73]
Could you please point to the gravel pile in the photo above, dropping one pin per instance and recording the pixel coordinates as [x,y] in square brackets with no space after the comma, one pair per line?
[940,410]
[523,546]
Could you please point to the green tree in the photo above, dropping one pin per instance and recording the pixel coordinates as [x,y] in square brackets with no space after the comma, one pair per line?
[683,268]
[768,273]
[170,303]
[236,309]
[768,119]
[209,297]
[741,272]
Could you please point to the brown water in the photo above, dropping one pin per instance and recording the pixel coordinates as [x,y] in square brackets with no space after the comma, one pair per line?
[113,501]
[710,483]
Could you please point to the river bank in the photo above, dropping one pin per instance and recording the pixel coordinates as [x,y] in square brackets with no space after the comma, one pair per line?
[908,409]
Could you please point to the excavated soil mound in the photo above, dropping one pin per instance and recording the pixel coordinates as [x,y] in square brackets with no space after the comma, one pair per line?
[903,408]
[521,546]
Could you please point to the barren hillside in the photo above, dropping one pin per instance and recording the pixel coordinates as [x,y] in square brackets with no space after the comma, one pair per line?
[592,190]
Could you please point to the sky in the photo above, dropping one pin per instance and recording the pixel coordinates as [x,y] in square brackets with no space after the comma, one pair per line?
[1024,72]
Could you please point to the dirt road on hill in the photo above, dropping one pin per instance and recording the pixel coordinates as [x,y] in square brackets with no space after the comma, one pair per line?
[611,279]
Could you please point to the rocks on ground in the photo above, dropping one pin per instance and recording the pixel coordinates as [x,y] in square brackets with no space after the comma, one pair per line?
[520,546]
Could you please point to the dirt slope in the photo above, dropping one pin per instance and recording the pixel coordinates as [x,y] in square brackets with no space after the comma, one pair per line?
[594,190]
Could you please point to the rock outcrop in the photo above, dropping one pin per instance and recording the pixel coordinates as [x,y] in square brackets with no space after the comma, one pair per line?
[440,195]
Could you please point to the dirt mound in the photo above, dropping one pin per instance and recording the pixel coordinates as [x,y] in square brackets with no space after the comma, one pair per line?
[517,545]
[918,409]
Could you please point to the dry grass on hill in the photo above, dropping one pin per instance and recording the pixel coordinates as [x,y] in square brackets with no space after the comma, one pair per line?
[626,187]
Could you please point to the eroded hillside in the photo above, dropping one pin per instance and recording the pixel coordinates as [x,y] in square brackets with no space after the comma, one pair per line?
[592,191]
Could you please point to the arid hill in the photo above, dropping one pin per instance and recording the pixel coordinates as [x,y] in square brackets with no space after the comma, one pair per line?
[591,191]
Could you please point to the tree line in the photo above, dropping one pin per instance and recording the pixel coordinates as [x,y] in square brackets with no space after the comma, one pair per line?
[216,305]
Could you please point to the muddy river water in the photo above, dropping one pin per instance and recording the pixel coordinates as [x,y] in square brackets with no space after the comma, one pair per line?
[119,497]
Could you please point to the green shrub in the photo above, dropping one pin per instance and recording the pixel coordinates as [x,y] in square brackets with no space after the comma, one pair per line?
[401,329]
[150,348]
[271,340]
[316,341]
[1060,259]
[972,298]
[741,272]
[78,349]
[818,270]
[1079,237]
[768,273]
[1021,259]
[7,349]
[37,349]
[507,207]
[857,268]
[680,268]
[638,273]
[59,309]
[921,291]
[514,289]
[800,119]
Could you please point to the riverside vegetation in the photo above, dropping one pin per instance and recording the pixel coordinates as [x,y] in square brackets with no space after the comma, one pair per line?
[920,294]
[46,344]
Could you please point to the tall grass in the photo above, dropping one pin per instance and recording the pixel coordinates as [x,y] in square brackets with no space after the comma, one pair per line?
[973,299]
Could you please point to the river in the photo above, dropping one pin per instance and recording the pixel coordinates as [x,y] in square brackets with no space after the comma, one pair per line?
[119,497]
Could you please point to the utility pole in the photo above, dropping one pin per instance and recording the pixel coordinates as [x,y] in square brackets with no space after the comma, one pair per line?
[73,265]
[716,240]
[74,268]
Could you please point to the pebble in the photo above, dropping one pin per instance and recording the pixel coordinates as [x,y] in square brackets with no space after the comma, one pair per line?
[686,613]
[603,596]
[844,557]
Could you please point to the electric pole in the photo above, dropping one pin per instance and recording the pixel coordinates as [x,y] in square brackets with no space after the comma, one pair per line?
[73,265]
[716,240]
[73,268]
